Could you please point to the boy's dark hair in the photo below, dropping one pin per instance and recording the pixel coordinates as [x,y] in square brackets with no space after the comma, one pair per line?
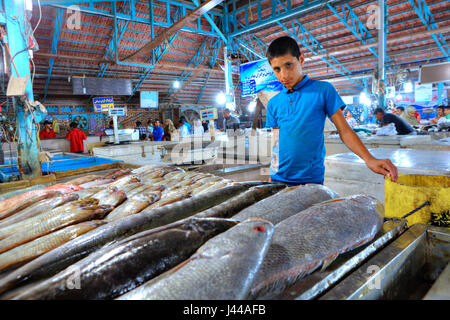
[377,110]
[157,120]
[46,122]
[138,123]
[442,107]
[282,46]
[401,108]
[73,125]
[150,121]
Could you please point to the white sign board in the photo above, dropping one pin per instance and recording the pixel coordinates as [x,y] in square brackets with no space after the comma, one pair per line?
[423,92]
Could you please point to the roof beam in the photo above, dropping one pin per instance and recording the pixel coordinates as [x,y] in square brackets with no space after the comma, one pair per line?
[168,33]
[54,49]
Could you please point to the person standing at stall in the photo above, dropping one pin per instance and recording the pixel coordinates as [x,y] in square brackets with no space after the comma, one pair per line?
[297,115]
[48,132]
[76,137]
[158,131]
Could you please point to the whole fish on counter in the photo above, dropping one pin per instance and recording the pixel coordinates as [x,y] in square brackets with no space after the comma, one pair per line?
[39,207]
[81,180]
[44,223]
[222,269]
[133,205]
[57,259]
[98,183]
[287,203]
[241,201]
[64,188]
[117,174]
[39,246]
[121,267]
[86,193]
[14,204]
[315,237]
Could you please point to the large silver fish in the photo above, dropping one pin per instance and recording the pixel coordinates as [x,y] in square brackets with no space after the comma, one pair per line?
[287,203]
[119,268]
[222,269]
[315,237]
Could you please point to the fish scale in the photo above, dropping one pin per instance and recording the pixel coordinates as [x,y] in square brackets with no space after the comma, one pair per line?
[315,237]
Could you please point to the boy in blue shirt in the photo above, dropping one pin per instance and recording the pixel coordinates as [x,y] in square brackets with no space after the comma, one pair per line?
[298,115]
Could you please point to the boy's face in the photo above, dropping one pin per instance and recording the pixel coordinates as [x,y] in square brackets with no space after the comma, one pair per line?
[288,69]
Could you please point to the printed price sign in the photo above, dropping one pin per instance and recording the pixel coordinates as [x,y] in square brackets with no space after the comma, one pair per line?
[103,104]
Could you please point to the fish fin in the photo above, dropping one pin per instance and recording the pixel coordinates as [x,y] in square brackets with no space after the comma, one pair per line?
[326,263]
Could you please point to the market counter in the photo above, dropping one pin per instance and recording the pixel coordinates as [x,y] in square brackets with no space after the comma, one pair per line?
[334,144]
[347,174]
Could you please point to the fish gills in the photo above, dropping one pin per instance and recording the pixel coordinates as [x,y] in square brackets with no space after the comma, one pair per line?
[222,269]
[315,237]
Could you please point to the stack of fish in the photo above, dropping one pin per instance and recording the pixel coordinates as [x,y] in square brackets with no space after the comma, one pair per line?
[34,222]
[162,233]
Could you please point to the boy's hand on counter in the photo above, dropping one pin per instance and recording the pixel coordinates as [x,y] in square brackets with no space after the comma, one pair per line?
[384,167]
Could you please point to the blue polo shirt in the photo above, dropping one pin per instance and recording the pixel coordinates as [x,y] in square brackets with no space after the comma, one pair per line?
[301,116]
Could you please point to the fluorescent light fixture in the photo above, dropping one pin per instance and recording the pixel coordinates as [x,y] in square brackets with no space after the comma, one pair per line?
[221,98]
[29,5]
[408,87]
[176,84]
[230,106]
[252,106]
[364,99]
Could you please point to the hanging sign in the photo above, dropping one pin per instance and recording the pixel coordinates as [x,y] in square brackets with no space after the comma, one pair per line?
[390,92]
[257,76]
[103,104]
[423,92]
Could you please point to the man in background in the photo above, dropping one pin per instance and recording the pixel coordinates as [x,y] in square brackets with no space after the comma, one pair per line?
[48,132]
[158,131]
[230,122]
[142,130]
[76,137]
[401,125]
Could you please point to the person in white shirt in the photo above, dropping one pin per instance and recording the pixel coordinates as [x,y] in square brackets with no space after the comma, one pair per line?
[198,128]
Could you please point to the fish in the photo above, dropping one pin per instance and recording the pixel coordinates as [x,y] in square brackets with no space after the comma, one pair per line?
[35,248]
[114,270]
[82,180]
[287,203]
[97,183]
[134,205]
[114,199]
[64,188]
[124,181]
[117,174]
[14,204]
[59,258]
[241,201]
[222,269]
[86,193]
[314,238]
[39,207]
[20,191]
[42,224]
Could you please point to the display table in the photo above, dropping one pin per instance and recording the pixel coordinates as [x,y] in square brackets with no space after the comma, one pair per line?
[347,174]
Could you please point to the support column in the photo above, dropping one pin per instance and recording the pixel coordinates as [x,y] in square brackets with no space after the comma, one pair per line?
[27,145]
[382,21]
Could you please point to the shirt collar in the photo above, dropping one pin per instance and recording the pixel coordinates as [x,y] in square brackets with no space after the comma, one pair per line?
[299,85]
